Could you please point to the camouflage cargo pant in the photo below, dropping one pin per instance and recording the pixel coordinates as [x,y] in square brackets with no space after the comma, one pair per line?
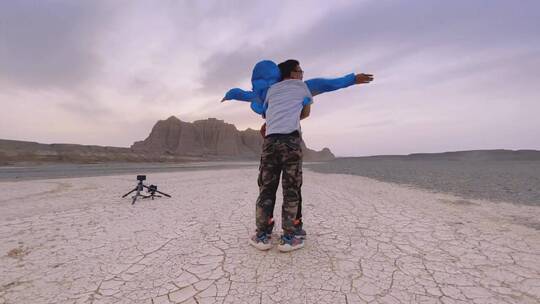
[281,155]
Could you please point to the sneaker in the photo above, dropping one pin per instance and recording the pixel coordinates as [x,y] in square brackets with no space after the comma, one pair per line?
[300,233]
[270,228]
[260,241]
[290,242]
[268,233]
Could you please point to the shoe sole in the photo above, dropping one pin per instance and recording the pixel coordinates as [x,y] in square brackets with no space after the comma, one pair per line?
[288,248]
[260,246]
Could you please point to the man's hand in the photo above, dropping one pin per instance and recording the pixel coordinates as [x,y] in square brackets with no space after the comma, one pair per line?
[305,111]
[363,78]
[263,130]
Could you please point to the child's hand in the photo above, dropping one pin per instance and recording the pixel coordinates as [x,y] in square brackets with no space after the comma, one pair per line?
[363,78]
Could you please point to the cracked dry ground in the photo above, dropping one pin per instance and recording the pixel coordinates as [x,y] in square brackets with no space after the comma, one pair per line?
[76,241]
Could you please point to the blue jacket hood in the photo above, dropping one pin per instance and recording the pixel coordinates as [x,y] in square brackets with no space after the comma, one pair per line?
[265,74]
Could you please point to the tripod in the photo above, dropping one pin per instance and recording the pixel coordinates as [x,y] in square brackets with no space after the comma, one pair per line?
[152,189]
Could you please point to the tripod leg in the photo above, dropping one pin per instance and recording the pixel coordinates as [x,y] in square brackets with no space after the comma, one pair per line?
[148,188]
[135,196]
[129,192]
[163,193]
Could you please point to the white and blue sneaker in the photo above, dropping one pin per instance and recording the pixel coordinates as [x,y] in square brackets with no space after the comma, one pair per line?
[260,241]
[300,233]
[290,242]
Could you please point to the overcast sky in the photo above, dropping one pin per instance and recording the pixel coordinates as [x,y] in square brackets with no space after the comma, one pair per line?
[449,75]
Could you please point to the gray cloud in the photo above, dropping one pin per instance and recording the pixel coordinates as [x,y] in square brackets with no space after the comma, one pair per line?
[225,69]
[523,63]
[107,64]
[423,23]
[381,123]
[44,44]
[86,108]
[390,31]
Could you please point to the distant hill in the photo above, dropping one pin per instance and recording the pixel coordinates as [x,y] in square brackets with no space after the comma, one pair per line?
[473,155]
[170,140]
[13,151]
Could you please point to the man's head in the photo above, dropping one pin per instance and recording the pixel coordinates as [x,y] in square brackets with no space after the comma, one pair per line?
[290,69]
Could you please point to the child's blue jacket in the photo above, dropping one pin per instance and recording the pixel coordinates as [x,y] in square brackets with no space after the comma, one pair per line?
[266,73]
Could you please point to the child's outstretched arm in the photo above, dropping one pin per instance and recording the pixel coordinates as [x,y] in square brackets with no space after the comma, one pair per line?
[239,94]
[247,96]
[322,85]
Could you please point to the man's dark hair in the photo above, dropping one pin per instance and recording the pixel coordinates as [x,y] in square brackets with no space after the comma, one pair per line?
[286,67]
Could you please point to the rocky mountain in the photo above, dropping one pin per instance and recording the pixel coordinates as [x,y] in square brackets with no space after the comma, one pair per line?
[170,140]
[209,138]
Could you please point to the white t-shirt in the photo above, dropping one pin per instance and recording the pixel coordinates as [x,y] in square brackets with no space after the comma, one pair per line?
[284,101]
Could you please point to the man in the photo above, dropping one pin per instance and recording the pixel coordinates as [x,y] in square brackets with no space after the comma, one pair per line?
[282,154]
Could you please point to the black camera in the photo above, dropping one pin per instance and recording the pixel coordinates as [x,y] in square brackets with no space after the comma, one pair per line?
[141,177]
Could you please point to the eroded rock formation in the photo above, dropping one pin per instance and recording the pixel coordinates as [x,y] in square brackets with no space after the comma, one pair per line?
[209,138]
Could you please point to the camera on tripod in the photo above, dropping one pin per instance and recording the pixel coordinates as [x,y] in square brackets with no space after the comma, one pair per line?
[151,190]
